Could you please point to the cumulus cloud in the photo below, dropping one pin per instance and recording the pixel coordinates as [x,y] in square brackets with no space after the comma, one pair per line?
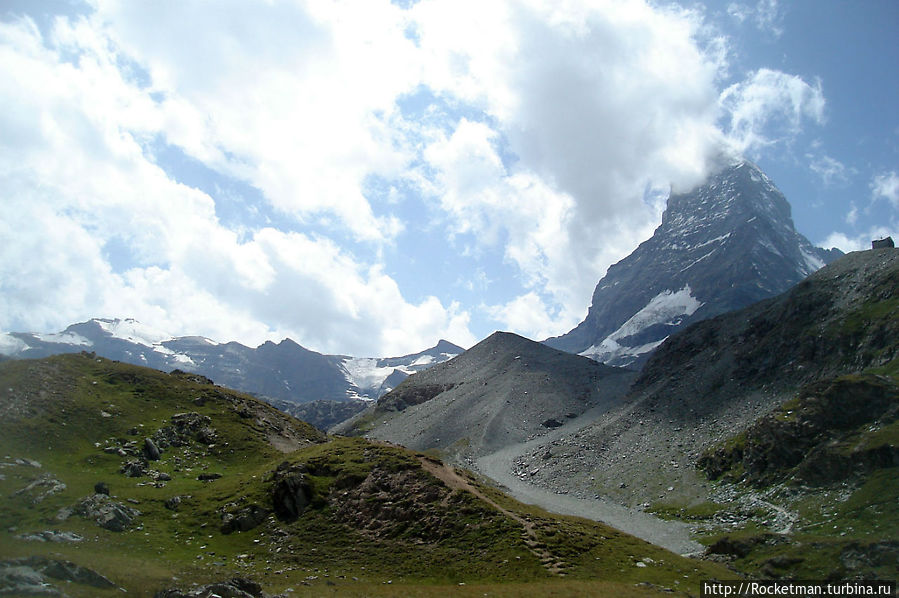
[597,104]
[76,180]
[296,99]
[859,241]
[562,127]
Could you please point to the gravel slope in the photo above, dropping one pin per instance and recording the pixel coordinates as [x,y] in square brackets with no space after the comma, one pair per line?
[503,391]
[500,466]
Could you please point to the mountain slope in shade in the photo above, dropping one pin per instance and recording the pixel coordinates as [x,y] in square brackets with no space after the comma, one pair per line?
[503,390]
[284,370]
[723,246]
[790,405]
[714,378]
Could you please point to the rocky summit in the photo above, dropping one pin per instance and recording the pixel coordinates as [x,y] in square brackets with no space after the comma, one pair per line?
[722,246]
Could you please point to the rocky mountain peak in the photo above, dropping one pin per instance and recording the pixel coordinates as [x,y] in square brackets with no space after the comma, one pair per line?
[724,245]
[737,192]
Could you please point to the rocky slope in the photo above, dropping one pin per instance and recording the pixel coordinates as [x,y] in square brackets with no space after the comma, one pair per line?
[709,384]
[284,370]
[718,376]
[834,430]
[723,246]
[120,478]
[824,465]
[824,353]
[504,390]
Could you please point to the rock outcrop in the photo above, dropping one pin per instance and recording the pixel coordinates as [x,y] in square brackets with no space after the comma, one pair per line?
[106,512]
[291,492]
[808,438]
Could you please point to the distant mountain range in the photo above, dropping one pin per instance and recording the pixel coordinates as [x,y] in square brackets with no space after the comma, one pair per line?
[283,371]
[725,245]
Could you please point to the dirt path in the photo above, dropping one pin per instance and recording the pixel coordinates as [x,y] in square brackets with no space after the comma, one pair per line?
[447,474]
[498,466]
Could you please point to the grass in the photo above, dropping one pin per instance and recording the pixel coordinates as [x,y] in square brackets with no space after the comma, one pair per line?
[702,511]
[376,515]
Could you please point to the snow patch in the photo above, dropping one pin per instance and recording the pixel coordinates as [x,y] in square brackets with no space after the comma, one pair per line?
[665,308]
[610,351]
[133,331]
[696,261]
[710,241]
[813,262]
[185,360]
[365,373]
[424,360]
[65,338]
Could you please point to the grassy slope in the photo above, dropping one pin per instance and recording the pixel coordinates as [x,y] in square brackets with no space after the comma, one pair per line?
[375,516]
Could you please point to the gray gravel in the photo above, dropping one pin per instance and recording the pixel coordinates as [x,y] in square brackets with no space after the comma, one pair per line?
[500,467]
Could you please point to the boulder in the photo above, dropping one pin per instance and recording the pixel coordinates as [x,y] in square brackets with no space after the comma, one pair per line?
[41,488]
[50,536]
[134,468]
[151,451]
[243,520]
[27,576]
[237,587]
[291,492]
[21,580]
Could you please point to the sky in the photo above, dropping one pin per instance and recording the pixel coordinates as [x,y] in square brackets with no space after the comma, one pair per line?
[366,178]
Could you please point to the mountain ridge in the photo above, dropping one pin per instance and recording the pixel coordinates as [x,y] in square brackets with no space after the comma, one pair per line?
[284,370]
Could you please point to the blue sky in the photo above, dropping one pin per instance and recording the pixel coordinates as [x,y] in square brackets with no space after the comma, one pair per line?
[367,178]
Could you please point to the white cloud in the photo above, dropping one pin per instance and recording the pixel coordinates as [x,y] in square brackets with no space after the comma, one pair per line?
[830,170]
[769,107]
[567,122]
[886,186]
[596,102]
[75,179]
[859,241]
[852,215]
[766,15]
[883,186]
[297,99]
[526,314]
